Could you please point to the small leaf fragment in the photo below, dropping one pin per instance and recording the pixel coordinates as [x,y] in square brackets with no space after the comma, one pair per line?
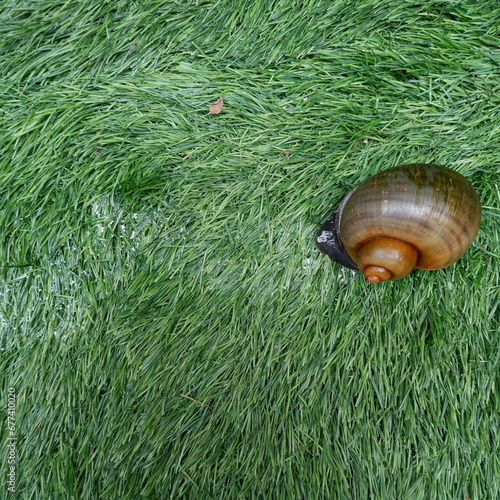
[216,107]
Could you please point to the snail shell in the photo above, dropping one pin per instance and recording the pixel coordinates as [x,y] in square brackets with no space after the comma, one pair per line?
[418,215]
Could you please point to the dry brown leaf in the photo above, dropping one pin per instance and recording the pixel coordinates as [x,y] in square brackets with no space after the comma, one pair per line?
[216,107]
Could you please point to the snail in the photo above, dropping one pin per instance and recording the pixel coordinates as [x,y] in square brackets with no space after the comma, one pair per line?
[420,216]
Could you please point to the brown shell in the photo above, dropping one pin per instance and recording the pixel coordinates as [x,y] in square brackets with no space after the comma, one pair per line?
[431,207]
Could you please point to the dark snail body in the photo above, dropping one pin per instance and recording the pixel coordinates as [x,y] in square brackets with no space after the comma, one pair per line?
[417,215]
[328,239]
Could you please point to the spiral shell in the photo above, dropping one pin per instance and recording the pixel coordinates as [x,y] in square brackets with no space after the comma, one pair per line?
[431,208]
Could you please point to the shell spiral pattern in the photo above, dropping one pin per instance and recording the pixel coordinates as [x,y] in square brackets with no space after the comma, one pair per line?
[428,206]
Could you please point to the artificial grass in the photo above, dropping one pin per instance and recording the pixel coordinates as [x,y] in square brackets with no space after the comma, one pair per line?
[153,253]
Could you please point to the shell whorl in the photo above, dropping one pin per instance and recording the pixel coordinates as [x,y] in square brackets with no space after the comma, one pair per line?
[417,215]
[430,207]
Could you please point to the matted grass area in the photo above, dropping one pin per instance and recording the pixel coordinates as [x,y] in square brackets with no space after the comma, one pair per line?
[167,326]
